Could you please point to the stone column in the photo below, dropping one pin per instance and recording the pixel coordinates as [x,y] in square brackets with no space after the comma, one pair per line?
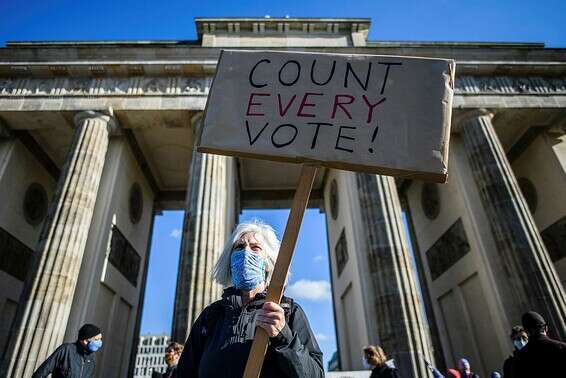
[208,221]
[50,284]
[398,313]
[529,273]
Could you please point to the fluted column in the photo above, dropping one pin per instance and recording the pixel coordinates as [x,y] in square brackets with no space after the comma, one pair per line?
[49,287]
[208,221]
[400,322]
[534,284]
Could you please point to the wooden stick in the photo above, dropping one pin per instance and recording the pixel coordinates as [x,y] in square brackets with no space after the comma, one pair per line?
[277,284]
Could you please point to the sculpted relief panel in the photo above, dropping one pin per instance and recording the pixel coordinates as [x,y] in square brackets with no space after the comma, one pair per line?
[126,86]
[510,85]
[199,86]
[448,249]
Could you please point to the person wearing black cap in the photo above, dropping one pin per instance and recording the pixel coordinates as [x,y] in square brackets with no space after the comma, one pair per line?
[73,360]
[542,356]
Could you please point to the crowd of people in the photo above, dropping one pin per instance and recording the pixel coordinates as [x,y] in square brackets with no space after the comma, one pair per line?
[220,339]
[534,353]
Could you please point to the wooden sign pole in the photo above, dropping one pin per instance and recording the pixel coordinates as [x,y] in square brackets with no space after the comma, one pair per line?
[277,284]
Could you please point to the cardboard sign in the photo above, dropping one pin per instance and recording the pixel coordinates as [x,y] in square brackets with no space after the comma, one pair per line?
[378,114]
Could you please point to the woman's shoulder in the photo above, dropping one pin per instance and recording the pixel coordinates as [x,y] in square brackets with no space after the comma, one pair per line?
[384,371]
[211,311]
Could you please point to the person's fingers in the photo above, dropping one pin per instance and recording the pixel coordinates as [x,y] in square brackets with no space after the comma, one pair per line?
[265,327]
[272,306]
[272,315]
[269,320]
[269,329]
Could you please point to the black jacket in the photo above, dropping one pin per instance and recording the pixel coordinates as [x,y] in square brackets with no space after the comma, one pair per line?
[508,366]
[68,361]
[220,341]
[541,357]
[384,372]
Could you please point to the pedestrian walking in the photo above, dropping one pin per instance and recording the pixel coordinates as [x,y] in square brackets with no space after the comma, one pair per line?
[73,360]
[172,355]
[542,356]
[465,369]
[376,359]
[519,339]
[435,372]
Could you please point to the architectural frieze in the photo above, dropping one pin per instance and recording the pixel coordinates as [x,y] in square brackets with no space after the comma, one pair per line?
[199,86]
[94,87]
[510,85]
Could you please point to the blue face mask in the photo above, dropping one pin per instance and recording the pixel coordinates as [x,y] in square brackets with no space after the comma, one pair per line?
[94,345]
[248,269]
[519,344]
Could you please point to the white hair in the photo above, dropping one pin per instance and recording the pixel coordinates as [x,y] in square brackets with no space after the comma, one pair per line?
[264,234]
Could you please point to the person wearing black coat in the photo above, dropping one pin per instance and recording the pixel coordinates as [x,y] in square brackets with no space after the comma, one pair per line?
[73,360]
[542,356]
[220,340]
[384,371]
[375,357]
[519,338]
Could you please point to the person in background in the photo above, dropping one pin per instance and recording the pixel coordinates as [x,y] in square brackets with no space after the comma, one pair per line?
[542,356]
[73,360]
[220,340]
[433,370]
[453,373]
[465,370]
[519,338]
[375,359]
[172,355]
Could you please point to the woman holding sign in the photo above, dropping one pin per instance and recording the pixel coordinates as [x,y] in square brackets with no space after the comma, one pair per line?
[220,340]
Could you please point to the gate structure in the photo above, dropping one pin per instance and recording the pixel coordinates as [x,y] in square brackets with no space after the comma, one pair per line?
[96,138]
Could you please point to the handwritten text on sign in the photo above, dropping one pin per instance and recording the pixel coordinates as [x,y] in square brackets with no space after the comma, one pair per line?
[378,114]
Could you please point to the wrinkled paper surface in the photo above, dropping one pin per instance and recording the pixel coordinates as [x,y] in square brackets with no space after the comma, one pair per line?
[377,114]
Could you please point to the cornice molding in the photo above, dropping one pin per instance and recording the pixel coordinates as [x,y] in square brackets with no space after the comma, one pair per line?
[281,25]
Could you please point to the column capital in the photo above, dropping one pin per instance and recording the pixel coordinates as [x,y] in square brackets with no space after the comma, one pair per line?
[106,116]
[459,120]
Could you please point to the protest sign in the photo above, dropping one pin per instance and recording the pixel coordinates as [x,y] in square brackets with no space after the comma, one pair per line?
[377,114]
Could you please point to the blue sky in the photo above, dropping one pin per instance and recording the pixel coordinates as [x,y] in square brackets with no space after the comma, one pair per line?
[444,20]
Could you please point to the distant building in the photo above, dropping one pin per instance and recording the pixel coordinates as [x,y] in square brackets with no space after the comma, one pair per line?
[150,356]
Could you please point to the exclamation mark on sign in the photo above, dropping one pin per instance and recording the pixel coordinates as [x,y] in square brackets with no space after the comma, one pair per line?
[373,138]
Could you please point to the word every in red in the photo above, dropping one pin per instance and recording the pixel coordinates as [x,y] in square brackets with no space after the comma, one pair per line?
[308,105]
